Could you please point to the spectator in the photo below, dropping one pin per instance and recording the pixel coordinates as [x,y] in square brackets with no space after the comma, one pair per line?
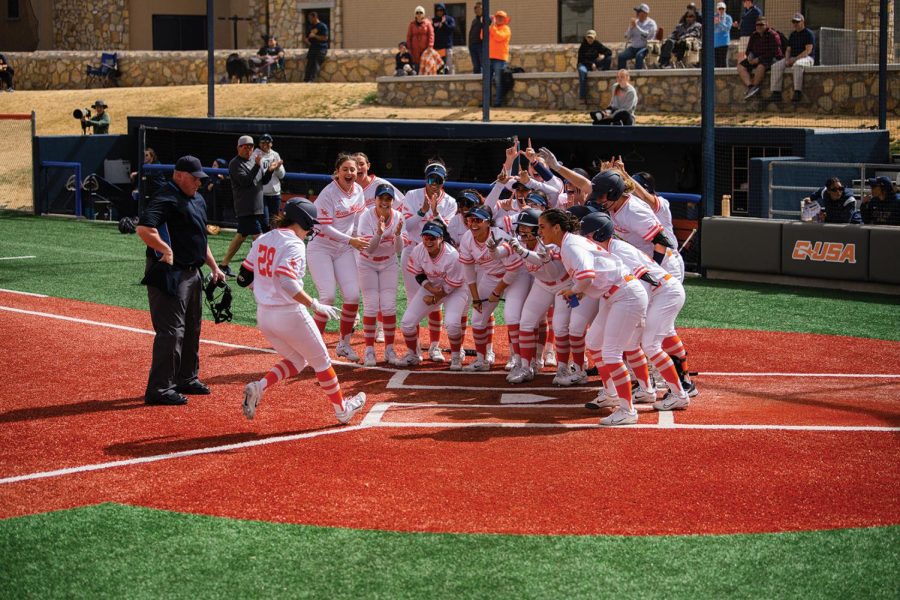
[837,204]
[271,190]
[444,28]
[499,52]
[747,27]
[100,122]
[692,7]
[592,56]
[763,49]
[419,35]
[213,183]
[155,179]
[621,105]
[798,55]
[476,39]
[247,181]
[403,61]
[174,285]
[6,74]
[723,23]
[641,29]
[677,42]
[882,207]
[272,53]
[317,38]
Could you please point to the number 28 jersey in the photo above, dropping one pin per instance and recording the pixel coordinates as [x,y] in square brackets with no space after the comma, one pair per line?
[278,253]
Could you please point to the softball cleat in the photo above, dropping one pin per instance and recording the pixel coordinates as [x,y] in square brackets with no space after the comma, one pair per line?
[252,396]
[350,407]
[622,416]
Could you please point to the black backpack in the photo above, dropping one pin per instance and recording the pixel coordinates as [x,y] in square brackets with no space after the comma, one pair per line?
[782,39]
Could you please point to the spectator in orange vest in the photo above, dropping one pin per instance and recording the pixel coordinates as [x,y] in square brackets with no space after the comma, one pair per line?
[499,52]
[419,35]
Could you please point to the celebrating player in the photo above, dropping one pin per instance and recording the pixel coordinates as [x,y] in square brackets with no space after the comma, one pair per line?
[332,261]
[275,267]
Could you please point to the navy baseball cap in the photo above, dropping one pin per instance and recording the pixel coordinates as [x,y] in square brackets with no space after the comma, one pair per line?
[265,138]
[480,212]
[471,197]
[433,229]
[190,164]
[436,169]
[537,199]
[884,182]
[385,188]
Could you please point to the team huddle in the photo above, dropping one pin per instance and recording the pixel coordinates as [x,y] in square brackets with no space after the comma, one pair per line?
[586,269]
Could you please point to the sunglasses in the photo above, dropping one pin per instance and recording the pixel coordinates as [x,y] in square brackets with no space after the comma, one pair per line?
[434,180]
[836,189]
[475,220]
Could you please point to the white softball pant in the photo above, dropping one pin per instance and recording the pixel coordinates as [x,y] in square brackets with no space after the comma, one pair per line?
[378,284]
[538,302]
[332,266]
[665,303]
[515,296]
[619,322]
[294,335]
[455,306]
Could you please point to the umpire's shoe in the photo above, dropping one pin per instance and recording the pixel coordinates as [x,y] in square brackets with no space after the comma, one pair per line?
[169,398]
[193,388]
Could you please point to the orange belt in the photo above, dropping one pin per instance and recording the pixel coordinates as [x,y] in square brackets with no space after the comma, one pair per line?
[667,277]
[377,258]
[552,283]
[615,288]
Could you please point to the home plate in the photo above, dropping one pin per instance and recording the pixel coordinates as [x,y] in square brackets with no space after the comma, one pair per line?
[523,398]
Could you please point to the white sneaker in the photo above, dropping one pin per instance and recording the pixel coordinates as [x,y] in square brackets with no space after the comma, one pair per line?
[350,407]
[490,358]
[390,356]
[456,362]
[673,402]
[434,352]
[539,363]
[379,332]
[644,397]
[512,363]
[520,375]
[370,360]
[562,375]
[550,357]
[658,380]
[576,377]
[603,400]
[409,359]
[345,350]
[478,365]
[252,396]
[620,417]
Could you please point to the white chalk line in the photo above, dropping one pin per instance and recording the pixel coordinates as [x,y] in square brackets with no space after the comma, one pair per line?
[168,456]
[24,293]
[15,257]
[666,421]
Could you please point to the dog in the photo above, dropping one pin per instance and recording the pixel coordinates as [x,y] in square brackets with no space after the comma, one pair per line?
[238,68]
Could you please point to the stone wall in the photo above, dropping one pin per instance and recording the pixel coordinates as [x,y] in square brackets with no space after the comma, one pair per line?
[97,24]
[286,22]
[847,90]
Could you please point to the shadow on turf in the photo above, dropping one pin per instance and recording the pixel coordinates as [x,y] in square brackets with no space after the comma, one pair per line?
[165,445]
[68,410]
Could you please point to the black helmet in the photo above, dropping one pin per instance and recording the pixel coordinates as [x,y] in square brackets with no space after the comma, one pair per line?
[607,183]
[528,218]
[582,210]
[301,211]
[597,226]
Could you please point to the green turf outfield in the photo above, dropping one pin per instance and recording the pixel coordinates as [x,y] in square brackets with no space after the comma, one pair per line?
[92,261]
[112,550]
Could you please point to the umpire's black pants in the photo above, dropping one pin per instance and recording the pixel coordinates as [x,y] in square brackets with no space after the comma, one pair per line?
[176,321]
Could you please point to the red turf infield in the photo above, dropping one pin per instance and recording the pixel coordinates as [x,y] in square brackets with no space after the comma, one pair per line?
[72,397]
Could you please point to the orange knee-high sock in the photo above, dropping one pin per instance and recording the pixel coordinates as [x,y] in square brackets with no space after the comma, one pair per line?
[411,340]
[577,345]
[390,328]
[369,330]
[280,370]
[348,316]
[434,326]
[562,349]
[481,340]
[526,344]
[331,386]
[666,368]
[617,374]
[551,337]
[321,321]
[513,332]
[637,360]
[455,341]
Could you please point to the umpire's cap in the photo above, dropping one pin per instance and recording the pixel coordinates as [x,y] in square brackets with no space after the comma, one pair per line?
[598,226]
[190,164]
[302,212]
[607,183]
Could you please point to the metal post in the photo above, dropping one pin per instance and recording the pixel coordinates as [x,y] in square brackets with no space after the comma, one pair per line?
[882,65]
[34,165]
[210,59]
[708,111]
[486,62]
[268,33]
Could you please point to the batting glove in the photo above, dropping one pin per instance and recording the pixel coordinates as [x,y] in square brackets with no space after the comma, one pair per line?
[325,309]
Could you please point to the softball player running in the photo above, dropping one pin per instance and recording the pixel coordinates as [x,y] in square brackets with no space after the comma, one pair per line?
[597,273]
[380,226]
[434,266]
[420,206]
[275,267]
[490,277]
[332,260]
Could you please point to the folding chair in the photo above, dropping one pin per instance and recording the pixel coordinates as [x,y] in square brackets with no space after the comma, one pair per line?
[107,71]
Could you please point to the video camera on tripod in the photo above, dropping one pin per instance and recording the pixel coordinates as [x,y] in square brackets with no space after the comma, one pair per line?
[80,114]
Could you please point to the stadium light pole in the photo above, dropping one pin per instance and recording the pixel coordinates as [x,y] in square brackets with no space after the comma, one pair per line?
[708,112]
[485,62]
[882,64]
[210,59]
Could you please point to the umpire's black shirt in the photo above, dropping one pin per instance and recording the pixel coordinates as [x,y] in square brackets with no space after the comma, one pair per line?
[181,222]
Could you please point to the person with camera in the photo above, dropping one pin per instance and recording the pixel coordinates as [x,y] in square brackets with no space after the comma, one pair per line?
[100,121]
[173,226]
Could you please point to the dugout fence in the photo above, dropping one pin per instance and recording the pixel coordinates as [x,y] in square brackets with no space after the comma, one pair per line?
[16,156]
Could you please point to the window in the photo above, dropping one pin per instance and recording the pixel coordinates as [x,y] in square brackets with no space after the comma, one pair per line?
[574,18]
[824,13]
[457,10]
[12,9]
[324,16]
[179,32]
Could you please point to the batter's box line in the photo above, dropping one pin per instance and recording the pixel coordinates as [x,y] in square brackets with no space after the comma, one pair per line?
[375,416]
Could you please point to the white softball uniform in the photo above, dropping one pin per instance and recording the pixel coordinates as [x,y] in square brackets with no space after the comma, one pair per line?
[377,264]
[623,306]
[486,269]
[636,223]
[284,322]
[445,271]
[413,222]
[369,192]
[550,277]
[332,261]
[664,214]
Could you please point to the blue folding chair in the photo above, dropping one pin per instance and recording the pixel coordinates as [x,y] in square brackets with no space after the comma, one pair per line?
[106,72]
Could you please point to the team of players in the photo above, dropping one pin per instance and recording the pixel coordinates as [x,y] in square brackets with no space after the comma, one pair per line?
[601,279]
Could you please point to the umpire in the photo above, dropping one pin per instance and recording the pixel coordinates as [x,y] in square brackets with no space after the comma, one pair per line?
[173,225]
